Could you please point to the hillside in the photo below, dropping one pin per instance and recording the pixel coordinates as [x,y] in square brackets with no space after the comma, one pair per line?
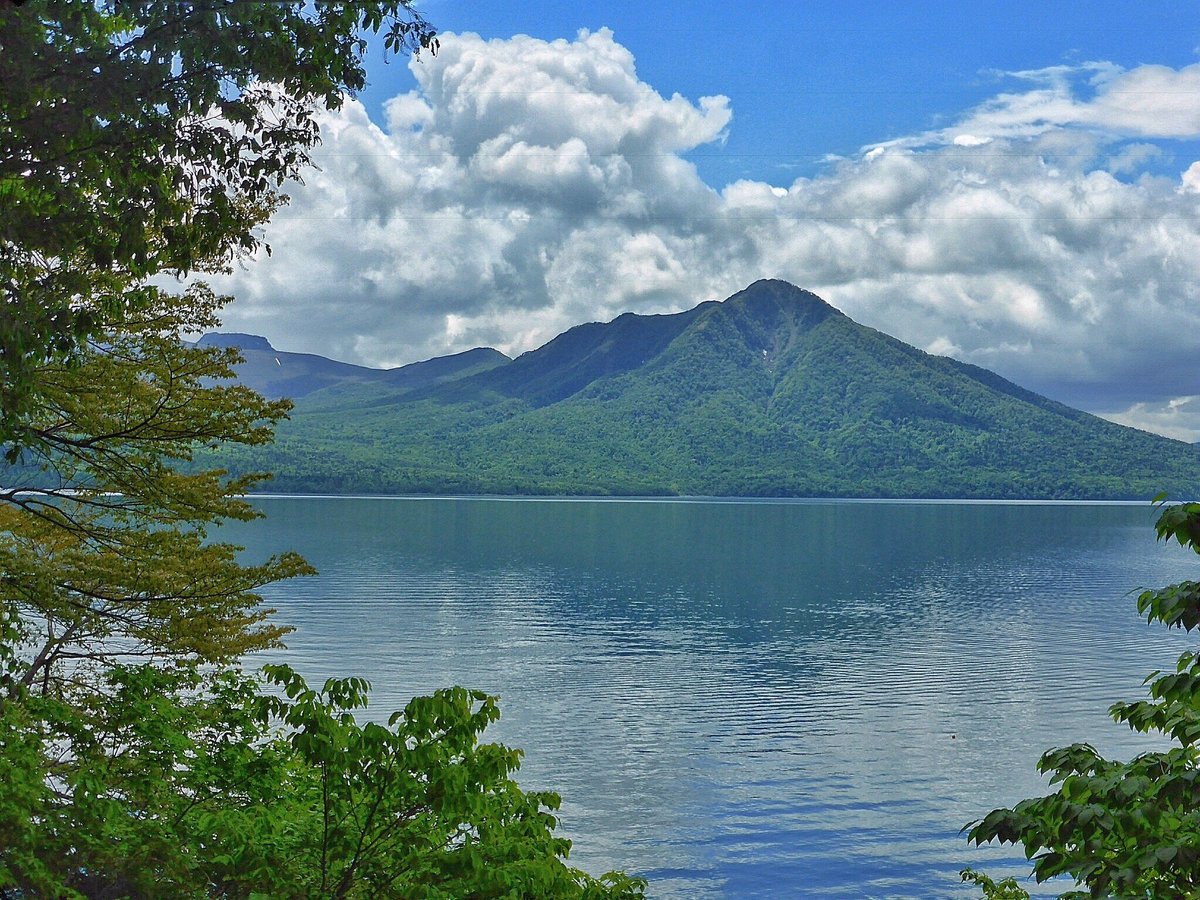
[771,392]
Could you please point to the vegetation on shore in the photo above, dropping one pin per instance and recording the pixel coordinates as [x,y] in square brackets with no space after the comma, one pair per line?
[1122,829]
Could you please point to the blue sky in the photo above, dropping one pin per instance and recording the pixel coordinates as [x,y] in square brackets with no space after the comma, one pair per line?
[811,79]
[1014,185]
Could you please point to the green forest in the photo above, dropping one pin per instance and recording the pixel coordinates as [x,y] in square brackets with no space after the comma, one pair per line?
[770,393]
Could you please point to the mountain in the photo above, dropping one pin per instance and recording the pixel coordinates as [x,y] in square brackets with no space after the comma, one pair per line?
[275,373]
[771,392]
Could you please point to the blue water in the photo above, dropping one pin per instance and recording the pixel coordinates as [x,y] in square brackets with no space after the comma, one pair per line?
[747,699]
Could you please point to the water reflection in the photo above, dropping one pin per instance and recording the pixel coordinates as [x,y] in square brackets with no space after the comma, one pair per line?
[746,699]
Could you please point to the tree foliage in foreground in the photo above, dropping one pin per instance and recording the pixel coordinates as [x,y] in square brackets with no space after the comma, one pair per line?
[185,784]
[140,137]
[1123,829]
[105,546]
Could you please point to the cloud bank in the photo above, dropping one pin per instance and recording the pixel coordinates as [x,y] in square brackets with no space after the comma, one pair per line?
[527,186]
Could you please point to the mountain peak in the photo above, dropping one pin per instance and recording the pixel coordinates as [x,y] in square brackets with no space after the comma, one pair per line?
[771,392]
[773,314]
[781,293]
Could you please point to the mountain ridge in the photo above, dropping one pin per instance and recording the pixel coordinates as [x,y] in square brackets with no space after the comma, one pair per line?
[278,373]
[770,392]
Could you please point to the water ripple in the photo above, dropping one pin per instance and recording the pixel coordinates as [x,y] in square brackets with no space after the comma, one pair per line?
[735,700]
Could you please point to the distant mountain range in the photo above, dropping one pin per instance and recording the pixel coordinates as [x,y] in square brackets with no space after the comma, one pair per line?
[772,392]
[276,373]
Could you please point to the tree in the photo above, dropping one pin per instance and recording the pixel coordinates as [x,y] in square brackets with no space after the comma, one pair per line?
[104,549]
[1123,829]
[170,790]
[143,137]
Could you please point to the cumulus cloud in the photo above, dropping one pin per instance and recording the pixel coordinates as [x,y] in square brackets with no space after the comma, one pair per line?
[527,186]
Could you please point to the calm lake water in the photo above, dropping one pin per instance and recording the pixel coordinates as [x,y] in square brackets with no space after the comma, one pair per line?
[747,699]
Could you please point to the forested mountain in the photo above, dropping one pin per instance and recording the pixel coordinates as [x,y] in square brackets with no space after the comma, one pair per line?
[771,392]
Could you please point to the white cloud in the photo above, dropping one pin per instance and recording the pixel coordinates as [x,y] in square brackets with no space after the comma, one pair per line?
[1132,157]
[943,347]
[527,186]
[1178,417]
[1190,180]
[1148,101]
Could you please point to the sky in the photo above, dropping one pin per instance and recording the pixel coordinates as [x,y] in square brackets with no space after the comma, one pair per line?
[1016,185]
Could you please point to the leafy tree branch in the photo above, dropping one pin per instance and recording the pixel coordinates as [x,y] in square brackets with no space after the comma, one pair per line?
[1123,829]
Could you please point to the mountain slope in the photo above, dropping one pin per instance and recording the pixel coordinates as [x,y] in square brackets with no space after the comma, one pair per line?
[575,359]
[276,373]
[772,392]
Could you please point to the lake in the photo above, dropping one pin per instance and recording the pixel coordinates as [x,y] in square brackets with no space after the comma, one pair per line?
[747,698]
